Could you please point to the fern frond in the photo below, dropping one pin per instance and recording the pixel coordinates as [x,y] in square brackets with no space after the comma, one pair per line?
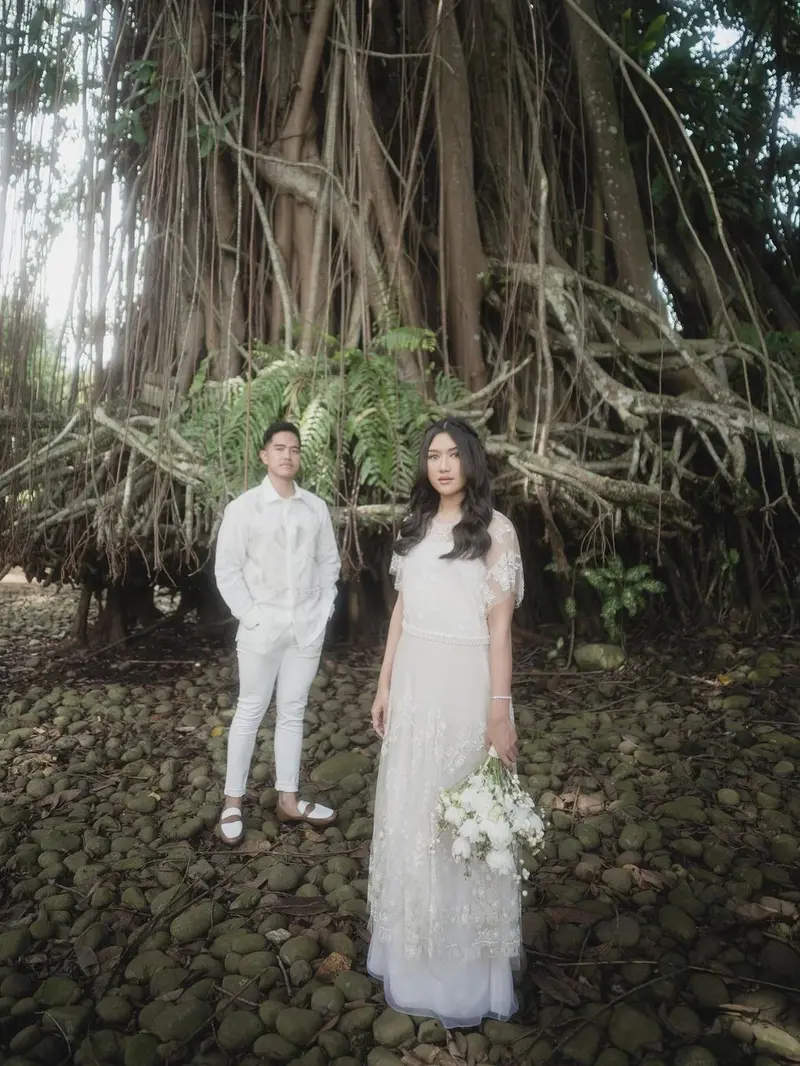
[406,339]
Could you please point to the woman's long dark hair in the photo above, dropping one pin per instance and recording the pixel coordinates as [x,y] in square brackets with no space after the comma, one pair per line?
[471,539]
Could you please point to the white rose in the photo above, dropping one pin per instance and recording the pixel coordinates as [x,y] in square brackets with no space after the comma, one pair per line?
[482,804]
[454,816]
[498,833]
[469,798]
[500,862]
[462,849]
[470,830]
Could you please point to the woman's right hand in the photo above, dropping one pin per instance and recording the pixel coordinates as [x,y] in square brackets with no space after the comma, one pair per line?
[380,711]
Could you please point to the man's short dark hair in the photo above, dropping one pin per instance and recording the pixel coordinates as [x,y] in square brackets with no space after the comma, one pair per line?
[280,427]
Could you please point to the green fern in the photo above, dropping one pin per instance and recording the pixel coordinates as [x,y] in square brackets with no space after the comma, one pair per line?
[360,424]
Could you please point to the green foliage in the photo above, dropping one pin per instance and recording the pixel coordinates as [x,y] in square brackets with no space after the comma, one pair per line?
[622,591]
[361,426]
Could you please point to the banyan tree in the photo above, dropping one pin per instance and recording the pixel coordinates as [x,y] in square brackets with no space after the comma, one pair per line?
[574,222]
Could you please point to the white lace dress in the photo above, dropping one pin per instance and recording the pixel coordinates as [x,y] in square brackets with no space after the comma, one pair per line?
[444,944]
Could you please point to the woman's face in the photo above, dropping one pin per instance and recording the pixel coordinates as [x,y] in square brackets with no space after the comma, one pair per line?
[445,472]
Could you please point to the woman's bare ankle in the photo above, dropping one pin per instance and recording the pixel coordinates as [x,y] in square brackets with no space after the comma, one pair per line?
[233,801]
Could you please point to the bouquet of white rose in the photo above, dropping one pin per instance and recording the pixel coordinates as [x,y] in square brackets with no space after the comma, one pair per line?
[491,819]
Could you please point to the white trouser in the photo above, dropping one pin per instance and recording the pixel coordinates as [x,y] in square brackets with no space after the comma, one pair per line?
[294,669]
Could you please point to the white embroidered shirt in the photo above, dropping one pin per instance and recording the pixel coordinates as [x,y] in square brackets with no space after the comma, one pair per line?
[276,566]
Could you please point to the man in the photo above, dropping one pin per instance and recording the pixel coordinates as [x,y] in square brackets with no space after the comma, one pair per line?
[277,565]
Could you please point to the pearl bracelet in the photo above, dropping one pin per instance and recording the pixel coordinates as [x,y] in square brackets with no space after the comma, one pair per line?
[507,698]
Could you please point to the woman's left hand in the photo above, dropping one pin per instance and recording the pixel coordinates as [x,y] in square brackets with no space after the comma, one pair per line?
[502,736]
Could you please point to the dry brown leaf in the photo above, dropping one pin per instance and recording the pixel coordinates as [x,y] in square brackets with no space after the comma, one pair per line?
[425,1053]
[331,1023]
[109,957]
[645,878]
[555,987]
[784,907]
[332,965]
[87,960]
[457,1045]
[444,1058]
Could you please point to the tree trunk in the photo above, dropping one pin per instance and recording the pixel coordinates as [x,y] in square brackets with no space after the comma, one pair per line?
[612,164]
[462,260]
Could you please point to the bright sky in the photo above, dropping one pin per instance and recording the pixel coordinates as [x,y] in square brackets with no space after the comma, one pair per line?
[63,257]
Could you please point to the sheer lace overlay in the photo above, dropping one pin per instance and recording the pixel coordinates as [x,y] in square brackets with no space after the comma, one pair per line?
[449,600]
[424,911]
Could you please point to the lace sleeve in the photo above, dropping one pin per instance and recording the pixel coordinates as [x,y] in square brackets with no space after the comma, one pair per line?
[504,579]
[396,570]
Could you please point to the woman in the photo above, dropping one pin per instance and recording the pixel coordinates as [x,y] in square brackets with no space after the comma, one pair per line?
[444,943]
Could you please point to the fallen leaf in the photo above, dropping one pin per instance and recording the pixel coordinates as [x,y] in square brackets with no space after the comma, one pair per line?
[457,1045]
[426,1053]
[109,957]
[555,987]
[333,964]
[87,960]
[784,907]
[645,878]
[756,912]
[217,731]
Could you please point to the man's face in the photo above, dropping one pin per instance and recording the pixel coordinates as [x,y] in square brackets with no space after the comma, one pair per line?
[281,456]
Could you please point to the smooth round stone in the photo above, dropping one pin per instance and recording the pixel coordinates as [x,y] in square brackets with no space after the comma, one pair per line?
[588,836]
[708,989]
[299,949]
[353,986]
[239,1030]
[677,923]
[784,849]
[612,1056]
[623,931]
[683,1021]
[694,1056]
[631,1030]
[114,1010]
[392,1029]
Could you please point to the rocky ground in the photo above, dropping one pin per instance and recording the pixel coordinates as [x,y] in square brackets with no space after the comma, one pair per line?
[662,928]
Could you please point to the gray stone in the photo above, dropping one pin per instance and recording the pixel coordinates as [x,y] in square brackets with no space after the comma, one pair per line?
[582,1047]
[180,1021]
[299,1026]
[393,1029]
[631,1030]
[13,944]
[694,1056]
[299,949]
[677,923]
[194,923]
[353,986]
[333,769]
[239,1030]
[142,1050]
[599,656]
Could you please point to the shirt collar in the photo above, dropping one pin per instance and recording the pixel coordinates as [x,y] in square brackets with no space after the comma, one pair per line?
[271,496]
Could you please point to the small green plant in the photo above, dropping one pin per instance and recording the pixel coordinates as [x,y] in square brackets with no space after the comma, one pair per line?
[622,591]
